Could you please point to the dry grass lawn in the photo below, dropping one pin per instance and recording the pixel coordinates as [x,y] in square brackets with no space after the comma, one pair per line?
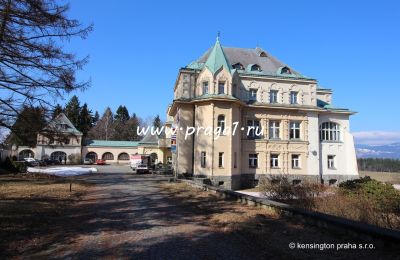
[30,205]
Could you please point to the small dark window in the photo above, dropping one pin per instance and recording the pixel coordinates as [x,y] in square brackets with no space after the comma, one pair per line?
[255,67]
[285,70]
[238,66]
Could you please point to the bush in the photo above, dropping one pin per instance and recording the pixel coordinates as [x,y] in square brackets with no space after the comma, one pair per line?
[13,166]
[75,158]
[385,197]
[279,188]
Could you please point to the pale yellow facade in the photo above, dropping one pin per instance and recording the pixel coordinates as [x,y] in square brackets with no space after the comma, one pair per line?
[241,97]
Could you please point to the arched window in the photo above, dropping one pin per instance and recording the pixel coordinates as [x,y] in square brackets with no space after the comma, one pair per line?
[26,154]
[329,131]
[238,66]
[123,157]
[58,156]
[285,70]
[92,156]
[108,156]
[221,122]
[255,67]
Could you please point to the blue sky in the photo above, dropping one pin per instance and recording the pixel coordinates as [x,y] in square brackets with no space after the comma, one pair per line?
[137,47]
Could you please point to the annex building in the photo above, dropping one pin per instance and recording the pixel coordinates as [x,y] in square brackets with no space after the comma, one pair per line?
[305,136]
[61,141]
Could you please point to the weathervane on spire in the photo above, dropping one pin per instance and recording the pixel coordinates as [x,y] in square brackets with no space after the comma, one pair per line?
[218,35]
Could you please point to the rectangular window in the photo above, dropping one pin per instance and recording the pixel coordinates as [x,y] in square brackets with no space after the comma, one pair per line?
[205,87]
[253,129]
[253,95]
[274,160]
[235,160]
[221,87]
[273,96]
[221,160]
[274,129]
[295,161]
[293,97]
[294,130]
[331,162]
[203,159]
[253,160]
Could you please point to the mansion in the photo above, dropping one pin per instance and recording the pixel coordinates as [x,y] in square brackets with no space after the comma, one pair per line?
[305,136]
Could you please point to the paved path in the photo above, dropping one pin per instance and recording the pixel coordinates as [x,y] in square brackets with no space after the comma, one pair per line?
[129,216]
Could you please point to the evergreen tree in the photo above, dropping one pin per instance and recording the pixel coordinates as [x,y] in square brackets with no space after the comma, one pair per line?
[57,110]
[131,128]
[86,121]
[29,123]
[157,122]
[96,117]
[122,114]
[72,111]
[104,129]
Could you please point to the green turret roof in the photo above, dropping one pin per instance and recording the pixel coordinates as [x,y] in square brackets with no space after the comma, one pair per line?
[217,59]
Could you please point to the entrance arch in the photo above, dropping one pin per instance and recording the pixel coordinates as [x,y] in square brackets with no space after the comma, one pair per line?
[59,156]
[27,153]
[108,156]
[123,157]
[92,156]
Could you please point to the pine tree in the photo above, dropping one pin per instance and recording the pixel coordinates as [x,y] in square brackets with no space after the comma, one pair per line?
[72,111]
[96,117]
[86,121]
[157,122]
[28,124]
[131,127]
[57,110]
[122,114]
[104,128]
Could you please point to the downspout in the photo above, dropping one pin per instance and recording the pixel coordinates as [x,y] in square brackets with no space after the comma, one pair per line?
[194,122]
[212,145]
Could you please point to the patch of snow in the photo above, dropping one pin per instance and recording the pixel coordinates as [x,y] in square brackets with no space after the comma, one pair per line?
[253,193]
[62,171]
[396,186]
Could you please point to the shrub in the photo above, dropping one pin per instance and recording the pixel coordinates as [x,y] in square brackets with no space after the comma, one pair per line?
[384,196]
[280,188]
[74,158]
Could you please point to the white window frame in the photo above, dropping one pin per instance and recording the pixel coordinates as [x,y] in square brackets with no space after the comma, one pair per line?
[221,160]
[330,132]
[253,94]
[274,129]
[294,97]
[273,96]
[255,124]
[203,159]
[295,130]
[274,161]
[221,122]
[253,160]
[331,161]
[221,83]
[296,161]
[205,88]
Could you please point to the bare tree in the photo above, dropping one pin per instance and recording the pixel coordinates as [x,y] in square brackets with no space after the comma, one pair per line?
[34,68]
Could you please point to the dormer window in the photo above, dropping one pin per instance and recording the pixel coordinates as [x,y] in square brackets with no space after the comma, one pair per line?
[263,54]
[285,70]
[255,67]
[238,66]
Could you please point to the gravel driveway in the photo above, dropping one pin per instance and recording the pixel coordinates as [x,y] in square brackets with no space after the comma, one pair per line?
[128,216]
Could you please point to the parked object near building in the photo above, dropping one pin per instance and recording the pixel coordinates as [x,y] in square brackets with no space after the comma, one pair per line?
[141,163]
[304,135]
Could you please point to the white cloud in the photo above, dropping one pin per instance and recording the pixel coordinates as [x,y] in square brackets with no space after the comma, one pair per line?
[377,137]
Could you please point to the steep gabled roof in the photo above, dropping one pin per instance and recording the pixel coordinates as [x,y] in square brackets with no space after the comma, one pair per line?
[62,124]
[218,56]
[217,59]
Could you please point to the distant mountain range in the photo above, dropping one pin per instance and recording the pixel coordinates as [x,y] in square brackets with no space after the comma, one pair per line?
[378,151]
